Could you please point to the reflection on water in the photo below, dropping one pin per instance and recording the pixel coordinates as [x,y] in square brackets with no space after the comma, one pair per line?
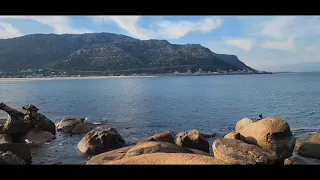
[140,107]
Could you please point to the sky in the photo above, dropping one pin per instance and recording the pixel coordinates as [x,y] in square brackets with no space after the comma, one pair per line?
[262,42]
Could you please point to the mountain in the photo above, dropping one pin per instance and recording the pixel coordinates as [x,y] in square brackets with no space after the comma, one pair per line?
[108,52]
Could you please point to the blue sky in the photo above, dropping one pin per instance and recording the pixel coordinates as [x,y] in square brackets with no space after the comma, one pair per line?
[262,42]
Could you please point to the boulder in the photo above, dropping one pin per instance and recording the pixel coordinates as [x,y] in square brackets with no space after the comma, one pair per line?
[109,156]
[232,135]
[37,137]
[168,159]
[5,138]
[15,124]
[193,139]
[311,150]
[149,147]
[83,128]
[100,140]
[21,150]
[38,120]
[163,137]
[244,122]
[68,124]
[271,134]
[298,160]
[309,146]
[233,151]
[9,158]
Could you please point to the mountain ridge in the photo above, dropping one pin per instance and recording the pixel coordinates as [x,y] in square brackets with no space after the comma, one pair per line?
[109,52]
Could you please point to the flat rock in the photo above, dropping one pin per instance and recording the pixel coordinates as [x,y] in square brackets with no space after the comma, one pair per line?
[192,139]
[310,148]
[83,128]
[100,140]
[68,124]
[163,137]
[9,158]
[149,147]
[21,150]
[232,135]
[109,156]
[37,137]
[5,138]
[233,151]
[271,134]
[167,159]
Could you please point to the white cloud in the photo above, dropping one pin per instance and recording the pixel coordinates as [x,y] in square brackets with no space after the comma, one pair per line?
[8,31]
[161,29]
[310,49]
[287,45]
[243,43]
[60,24]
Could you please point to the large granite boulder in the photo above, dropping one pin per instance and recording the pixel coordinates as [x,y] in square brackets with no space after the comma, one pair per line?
[21,150]
[271,134]
[83,128]
[168,159]
[109,156]
[192,139]
[149,147]
[244,122]
[38,120]
[9,158]
[163,137]
[233,151]
[37,137]
[66,125]
[100,140]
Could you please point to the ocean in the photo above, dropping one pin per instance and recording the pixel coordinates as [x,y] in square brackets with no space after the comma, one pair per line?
[139,107]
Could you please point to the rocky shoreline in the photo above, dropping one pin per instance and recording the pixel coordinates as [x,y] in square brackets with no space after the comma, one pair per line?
[254,141]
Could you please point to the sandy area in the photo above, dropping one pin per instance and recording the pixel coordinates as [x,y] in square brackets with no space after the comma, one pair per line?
[66,78]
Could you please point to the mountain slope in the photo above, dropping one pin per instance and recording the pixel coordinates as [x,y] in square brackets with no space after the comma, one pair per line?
[108,52]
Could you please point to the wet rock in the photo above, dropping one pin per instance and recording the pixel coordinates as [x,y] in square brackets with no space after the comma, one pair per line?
[21,150]
[168,159]
[163,137]
[68,124]
[100,140]
[37,137]
[233,151]
[232,135]
[271,134]
[244,122]
[9,158]
[38,120]
[155,147]
[5,138]
[109,156]
[83,128]
[193,139]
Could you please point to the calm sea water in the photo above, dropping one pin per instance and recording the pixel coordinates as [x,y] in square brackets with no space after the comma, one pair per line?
[140,107]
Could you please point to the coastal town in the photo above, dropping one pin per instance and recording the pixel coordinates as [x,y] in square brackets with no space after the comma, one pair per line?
[46,73]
